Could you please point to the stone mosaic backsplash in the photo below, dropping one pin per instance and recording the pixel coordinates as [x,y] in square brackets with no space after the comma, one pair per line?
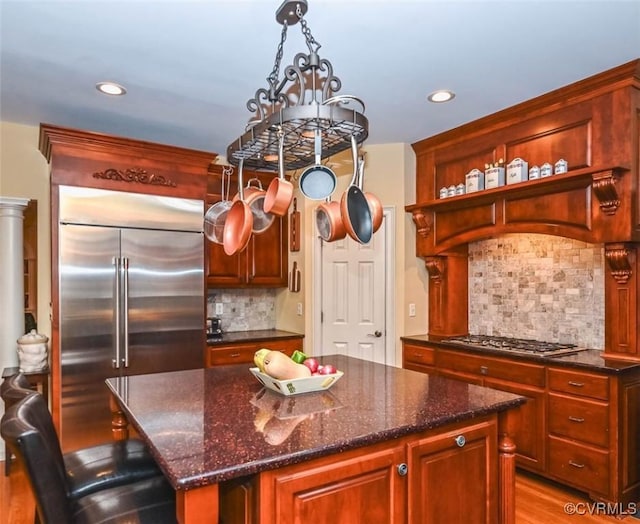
[243,309]
[540,287]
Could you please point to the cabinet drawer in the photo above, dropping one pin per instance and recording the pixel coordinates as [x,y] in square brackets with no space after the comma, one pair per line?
[236,354]
[578,465]
[418,355]
[579,383]
[580,419]
[502,368]
[242,353]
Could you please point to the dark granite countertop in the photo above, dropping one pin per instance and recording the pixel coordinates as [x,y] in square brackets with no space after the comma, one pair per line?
[588,359]
[252,336]
[210,425]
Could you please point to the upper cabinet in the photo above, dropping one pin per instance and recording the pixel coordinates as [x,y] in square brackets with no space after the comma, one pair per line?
[264,262]
[592,124]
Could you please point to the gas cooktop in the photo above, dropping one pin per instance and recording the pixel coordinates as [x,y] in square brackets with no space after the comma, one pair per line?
[516,345]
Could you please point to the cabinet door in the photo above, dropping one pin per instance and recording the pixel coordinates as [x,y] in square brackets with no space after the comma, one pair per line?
[359,487]
[222,270]
[526,425]
[267,256]
[453,476]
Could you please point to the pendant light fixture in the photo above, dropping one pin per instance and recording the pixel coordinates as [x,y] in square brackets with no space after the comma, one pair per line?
[301,104]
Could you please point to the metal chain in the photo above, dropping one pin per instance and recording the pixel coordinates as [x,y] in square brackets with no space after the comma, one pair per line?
[273,77]
[307,32]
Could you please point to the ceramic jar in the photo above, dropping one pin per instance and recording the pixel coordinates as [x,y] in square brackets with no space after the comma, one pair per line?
[32,352]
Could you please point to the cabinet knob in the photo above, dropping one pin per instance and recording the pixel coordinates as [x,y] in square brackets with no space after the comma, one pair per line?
[484,370]
[403,469]
[460,441]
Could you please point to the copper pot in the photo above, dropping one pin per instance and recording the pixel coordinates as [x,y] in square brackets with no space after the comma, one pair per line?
[280,190]
[255,197]
[239,223]
[329,221]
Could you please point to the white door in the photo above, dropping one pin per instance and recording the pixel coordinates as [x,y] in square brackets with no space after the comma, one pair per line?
[354,298]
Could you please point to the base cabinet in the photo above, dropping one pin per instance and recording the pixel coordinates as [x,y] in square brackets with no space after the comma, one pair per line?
[419,479]
[579,427]
[242,352]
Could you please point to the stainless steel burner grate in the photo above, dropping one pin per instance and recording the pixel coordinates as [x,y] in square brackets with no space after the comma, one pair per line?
[516,345]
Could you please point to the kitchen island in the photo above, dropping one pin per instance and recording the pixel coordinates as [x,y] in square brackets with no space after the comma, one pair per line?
[384,444]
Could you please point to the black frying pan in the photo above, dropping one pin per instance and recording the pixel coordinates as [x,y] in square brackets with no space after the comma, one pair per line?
[354,208]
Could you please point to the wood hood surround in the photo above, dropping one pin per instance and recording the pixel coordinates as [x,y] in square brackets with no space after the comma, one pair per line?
[594,124]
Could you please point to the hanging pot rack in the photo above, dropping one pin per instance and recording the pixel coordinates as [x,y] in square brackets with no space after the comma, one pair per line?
[283,107]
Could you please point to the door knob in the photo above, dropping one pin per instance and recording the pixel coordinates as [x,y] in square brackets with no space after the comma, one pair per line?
[376,334]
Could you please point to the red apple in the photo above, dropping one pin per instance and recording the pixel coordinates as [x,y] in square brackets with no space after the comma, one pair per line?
[327,369]
[311,363]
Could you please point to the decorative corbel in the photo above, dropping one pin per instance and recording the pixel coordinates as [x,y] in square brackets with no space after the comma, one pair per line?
[618,258]
[435,267]
[605,190]
[134,174]
[423,224]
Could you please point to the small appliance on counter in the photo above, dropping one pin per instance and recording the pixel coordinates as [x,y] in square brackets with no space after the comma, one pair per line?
[214,328]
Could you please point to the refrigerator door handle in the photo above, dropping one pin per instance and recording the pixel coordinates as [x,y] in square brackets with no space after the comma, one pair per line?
[125,316]
[115,362]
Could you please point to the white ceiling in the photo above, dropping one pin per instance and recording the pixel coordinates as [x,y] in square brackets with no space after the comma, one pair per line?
[190,67]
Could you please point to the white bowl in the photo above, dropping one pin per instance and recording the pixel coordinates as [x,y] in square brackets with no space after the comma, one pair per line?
[297,385]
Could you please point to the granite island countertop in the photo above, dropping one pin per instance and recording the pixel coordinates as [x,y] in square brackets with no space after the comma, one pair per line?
[254,335]
[587,359]
[210,425]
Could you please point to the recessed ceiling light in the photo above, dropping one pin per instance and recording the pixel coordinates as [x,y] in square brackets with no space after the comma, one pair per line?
[442,95]
[110,88]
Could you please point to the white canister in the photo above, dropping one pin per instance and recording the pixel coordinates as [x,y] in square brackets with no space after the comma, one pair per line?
[561,166]
[534,173]
[546,170]
[32,352]
[460,189]
[474,181]
[443,192]
[517,171]
[451,191]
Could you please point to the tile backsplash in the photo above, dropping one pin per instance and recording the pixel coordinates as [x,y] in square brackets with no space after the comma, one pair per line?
[540,287]
[243,309]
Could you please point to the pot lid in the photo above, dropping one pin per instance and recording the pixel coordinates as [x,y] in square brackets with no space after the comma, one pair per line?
[32,338]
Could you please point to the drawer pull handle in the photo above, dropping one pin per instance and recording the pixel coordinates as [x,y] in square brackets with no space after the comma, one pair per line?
[484,370]
[576,384]
[460,441]
[576,465]
[576,419]
[234,355]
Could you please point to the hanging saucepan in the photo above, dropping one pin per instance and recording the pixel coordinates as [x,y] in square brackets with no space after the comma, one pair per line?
[329,221]
[375,206]
[254,196]
[216,215]
[354,207]
[317,182]
[239,223]
[280,190]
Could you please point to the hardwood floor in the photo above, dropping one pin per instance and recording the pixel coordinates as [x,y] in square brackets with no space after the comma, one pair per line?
[538,501]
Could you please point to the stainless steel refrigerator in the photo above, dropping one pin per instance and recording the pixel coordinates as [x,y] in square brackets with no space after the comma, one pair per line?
[131,292]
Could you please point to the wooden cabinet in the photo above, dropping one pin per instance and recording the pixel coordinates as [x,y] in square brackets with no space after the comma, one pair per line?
[263,263]
[579,430]
[578,427]
[242,352]
[442,469]
[593,125]
[526,424]
[424,478]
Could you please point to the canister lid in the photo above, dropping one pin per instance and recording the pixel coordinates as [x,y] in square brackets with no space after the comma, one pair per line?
[32,338]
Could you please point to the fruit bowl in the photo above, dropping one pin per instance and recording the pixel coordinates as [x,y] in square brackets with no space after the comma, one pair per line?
[297,385]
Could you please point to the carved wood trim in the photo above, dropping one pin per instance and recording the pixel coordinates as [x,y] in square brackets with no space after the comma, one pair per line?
[134,174]
[423,224]
[435,267]
[617,256]
[605,190]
